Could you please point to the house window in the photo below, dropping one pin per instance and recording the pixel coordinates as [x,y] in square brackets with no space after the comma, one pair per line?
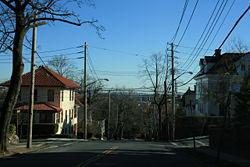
[50,95]
[66,116]
[242,67]
[58,117]
[62,95]
[69,95]
[62,116]
[35,95]
[72,95]
[45,117]
[70,114]
[74,113]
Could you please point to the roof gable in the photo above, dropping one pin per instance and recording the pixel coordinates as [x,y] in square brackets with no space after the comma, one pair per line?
[45,77]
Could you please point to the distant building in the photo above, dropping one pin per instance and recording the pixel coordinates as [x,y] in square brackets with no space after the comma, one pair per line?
[188,100]
[54,100]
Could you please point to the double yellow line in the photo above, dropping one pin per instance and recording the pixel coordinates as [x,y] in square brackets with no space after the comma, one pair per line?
[97,157]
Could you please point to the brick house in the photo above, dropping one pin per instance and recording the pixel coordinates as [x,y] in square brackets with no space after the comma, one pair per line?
[54,101]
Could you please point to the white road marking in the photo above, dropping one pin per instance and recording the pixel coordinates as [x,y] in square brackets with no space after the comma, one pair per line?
[67,144]
[201,143]
[173,143]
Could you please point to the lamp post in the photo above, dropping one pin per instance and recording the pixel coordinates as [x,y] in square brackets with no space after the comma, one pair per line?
[85,106]
[173,101]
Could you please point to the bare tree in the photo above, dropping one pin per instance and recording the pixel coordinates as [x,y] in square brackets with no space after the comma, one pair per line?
[16,18]
[155,72]
[237,45]
[62,65]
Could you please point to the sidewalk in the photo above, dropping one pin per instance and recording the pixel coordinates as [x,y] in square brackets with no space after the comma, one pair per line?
[225,157]
[208,156]
[16,149]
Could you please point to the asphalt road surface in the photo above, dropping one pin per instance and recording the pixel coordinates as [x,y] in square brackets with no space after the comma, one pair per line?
[105,153]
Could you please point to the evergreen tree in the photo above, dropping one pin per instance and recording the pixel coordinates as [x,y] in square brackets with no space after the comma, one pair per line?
[243,100]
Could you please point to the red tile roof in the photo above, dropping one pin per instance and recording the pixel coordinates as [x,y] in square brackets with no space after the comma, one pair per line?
[45,77]
[40,107]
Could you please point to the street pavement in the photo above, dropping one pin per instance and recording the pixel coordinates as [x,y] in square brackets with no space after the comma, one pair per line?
[80,153]
[101,153]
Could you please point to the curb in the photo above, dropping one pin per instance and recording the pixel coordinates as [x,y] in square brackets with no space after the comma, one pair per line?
[17,154]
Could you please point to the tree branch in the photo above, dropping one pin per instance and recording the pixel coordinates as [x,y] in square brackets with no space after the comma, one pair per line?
[35,25]
[62,20]
[9,5]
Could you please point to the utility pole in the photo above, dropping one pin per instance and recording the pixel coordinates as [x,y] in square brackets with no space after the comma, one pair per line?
[166,109]
[85,94]
[117,115]
[192,113]
[109,115]
[32,85]
[173,92]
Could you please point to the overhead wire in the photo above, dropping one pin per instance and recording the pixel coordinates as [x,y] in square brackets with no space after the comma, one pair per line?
[204,30]
[218,29]
[182,15]
[220,45]
[63,49]
[183,34]
[208,34]
[117,51]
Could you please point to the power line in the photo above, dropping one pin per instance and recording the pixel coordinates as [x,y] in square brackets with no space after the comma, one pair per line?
[220,46]
[63,49]
[182,15]
[92,65]
[234,26]
[64,54]
[208,34]
[117,51]
[36,52]
[219,27]
[202,33]
[189,21]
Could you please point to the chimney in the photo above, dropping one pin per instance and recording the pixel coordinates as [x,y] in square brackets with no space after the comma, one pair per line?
[217,52]
[194,88]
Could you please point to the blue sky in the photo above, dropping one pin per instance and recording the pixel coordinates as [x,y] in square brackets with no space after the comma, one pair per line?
[135,29]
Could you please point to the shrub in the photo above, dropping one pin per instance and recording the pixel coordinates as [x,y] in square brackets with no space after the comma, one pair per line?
[12,129]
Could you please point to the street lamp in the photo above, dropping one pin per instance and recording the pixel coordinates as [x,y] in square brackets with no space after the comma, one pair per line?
[85,105]
[173,101]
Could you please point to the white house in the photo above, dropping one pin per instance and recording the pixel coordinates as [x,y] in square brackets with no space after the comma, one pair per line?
[54,100]
[218,75]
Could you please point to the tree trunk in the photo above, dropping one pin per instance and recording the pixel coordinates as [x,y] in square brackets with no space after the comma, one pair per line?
[15,83]
[160,122]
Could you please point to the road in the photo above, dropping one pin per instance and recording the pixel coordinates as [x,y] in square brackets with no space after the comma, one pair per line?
[106,153]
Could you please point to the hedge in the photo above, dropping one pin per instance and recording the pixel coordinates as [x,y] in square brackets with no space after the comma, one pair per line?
[39,130]
[184,127]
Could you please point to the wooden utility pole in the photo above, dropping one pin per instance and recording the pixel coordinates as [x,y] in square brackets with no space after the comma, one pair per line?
[85,94]
[117,115]
[173,92]
[192,113]
[109,115]
[166,109]
[32,85]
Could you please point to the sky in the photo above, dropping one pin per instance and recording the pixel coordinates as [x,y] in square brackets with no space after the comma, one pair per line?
[136,29]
